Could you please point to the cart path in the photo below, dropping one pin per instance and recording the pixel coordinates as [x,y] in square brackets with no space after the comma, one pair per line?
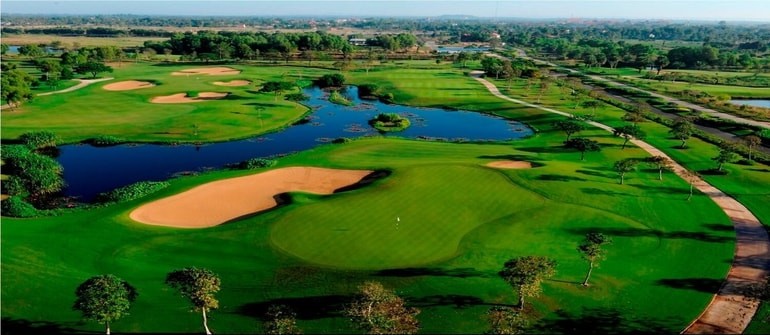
[83,83]
[732,307]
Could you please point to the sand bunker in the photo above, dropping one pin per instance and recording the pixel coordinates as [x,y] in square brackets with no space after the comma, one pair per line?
[510,165]
[211,71]
[232,83]
[181,98]
[217,202]
[127,85]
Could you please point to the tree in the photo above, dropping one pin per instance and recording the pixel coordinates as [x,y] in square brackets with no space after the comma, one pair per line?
[505,320]
[199,286]
[661,163]
[691,178]
[752,141]
[93,67]
[281,321]
[104,299]
[591,250]
[569,127]
[726,155]
[15,87]
[661,62]
[331,80]
[593,104]
[525,274]
[628,132]
[625,166]
[377,310]
[682,130]
[583,145]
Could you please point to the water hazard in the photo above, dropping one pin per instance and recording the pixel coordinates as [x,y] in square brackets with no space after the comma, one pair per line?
[90,170]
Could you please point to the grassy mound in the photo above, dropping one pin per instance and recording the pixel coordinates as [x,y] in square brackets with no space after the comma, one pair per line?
[389,122]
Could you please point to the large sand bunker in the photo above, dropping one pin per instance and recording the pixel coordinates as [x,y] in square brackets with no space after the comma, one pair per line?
[211,71]
[217,202]
[181,98]
[510,165]
[127,85]
[232,83]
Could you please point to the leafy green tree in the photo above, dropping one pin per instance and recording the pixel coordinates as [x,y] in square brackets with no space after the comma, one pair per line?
[751,141]
[628,132]
[569,127]
[691,177]
[377,310]
[281,320]
[726,155]
[659,162]
[104,299]
[31,50]
[505,320]
[592,251]
[331,80]
[625,166]
[582,145]
[593,104]
[15,87]
[4,48]
[93,67]
[682,130]
[198,286]
[525,274]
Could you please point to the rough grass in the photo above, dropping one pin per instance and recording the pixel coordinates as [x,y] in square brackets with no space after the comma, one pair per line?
[714,90]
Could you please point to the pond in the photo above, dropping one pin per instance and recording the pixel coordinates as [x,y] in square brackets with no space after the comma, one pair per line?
[452,50]
[90,170]
[754,103]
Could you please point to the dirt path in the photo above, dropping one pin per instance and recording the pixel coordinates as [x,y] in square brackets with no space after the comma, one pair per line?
[761,124]
[83,83]
[731,309]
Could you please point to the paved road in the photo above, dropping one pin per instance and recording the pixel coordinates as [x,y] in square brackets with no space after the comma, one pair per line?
[761,124]
[731,309]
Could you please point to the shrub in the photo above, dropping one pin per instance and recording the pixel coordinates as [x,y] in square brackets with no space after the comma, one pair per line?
[11,152]
[389,122]
[192,94]
[368,90]
[15,206]
[105,140]
[341,140]
[14,186]
[39,139]
[276,86]
[297,97]
[133,191]
[256,163]
[387,97]
[331,80]
[336,98]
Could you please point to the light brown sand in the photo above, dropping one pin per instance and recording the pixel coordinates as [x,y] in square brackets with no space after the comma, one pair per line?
[232,83]
[510,165]
[217,202]
[127,85]
[181,98]
[211,71]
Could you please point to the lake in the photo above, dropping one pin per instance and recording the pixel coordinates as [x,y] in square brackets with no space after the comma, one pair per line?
[90,170]
[755,103]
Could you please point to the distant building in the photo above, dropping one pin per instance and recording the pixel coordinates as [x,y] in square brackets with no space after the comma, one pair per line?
[357,41]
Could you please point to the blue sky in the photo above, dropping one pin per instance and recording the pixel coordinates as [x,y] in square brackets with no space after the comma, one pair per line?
[750,10]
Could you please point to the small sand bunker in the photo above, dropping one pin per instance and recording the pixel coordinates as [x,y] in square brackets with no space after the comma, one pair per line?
[211,71]
[217,202]
[127,85]
[232,83]
[181,98]
[510,165]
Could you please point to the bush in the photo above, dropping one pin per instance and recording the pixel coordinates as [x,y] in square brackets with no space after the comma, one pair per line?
[297,97]
[341,140]
[389,122]
[331,80]
[276,86]
[11,152]
[15,206]
[192,94]
[14,186]
[256,163]
[105,140]
[133,191]
[368,90]
[39,139]
[387,97]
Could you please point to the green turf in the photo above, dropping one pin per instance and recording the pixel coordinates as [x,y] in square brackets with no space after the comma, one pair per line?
[714,90]
[464,220]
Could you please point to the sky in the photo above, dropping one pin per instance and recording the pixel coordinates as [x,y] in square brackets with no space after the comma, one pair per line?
[734,10]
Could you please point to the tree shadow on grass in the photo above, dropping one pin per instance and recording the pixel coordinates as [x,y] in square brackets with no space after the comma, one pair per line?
[602,321]
[637,232]
[661,189]
[511,157]
[558,177]
[599,191]
[435,272]
[306,308]
[549,150]
[11,326]
[596,173]
[706,285]
[456,300]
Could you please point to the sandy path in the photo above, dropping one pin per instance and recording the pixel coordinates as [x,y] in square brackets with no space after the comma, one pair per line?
[732,308]
[181,98]
[127,85]
[83,83]
[232,83]
[211,71]
[221,201]
[510,165]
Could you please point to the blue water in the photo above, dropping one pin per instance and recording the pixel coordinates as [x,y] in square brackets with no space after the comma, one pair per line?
[755,103]
[442,49]
[90,170]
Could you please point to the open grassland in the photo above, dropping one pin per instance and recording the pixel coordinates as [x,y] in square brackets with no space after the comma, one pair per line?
[77,41]
[443,257]
[459,222]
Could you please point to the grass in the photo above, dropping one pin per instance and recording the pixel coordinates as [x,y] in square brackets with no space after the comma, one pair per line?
[714,90]
[82,41]
[459,222]
[337,98]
